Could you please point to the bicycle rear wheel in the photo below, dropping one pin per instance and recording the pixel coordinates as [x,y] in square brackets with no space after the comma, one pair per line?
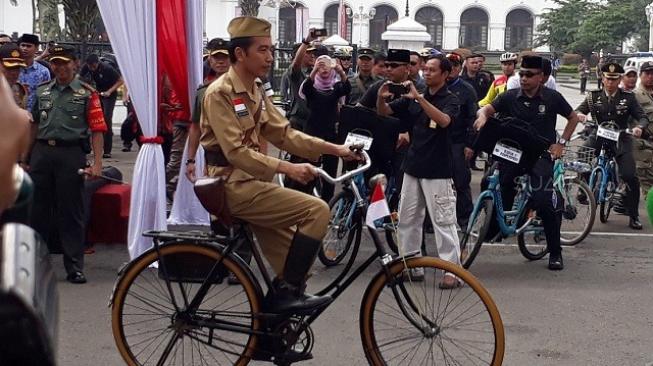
[148,329]
[577,217]
[406,322]
[474,235]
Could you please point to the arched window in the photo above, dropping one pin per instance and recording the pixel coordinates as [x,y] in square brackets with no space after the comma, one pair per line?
[473,29]
[385,15]
[519,30]
[288,25]
[432,19]
[331,22]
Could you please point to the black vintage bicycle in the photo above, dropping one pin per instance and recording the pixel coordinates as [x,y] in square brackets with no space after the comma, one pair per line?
[173,306]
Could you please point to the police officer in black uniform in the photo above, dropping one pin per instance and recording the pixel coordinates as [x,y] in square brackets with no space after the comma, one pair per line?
[539,106]
[67,113]
[613,104]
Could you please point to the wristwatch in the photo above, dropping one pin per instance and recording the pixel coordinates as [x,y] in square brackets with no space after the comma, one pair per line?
[562,141]
[190,161]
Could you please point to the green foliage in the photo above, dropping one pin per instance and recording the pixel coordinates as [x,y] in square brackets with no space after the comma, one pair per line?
[583,26]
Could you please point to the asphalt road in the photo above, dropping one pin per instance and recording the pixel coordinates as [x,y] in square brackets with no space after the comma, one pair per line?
[595,312]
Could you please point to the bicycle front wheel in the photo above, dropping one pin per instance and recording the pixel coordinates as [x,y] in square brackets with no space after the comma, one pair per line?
[475,233]
[532,241]
[577,216]
[343,231]
[406,322]
[148,329]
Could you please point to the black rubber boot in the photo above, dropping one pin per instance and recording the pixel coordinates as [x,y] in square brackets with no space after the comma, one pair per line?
[287,295]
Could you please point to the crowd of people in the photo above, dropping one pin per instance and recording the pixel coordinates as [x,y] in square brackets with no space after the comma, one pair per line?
[441,100]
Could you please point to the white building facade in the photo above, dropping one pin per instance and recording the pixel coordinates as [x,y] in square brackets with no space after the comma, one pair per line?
[491,25]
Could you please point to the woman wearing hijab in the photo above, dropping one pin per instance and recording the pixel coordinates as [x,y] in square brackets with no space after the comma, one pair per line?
[324,93]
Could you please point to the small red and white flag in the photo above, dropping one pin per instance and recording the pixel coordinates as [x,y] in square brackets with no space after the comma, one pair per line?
[378,207]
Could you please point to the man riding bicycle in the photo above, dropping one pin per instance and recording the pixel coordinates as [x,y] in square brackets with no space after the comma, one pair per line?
[289,224]
[538,106]
[618,106]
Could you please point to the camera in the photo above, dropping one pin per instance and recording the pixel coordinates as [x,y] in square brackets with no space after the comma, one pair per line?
[398,89]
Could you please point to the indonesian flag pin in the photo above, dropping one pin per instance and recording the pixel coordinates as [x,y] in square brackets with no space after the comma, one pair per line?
[240,108]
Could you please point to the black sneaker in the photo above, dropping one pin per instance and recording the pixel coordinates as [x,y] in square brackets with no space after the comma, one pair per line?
[635,224]
[76,277]
[555,262]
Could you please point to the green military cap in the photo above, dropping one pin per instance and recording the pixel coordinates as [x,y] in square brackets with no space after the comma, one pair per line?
[218,46]
[63,52]
[366,52]
[612,70]
[248,27]
[10,56]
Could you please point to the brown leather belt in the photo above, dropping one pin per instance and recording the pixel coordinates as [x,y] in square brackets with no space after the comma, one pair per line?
[215,158]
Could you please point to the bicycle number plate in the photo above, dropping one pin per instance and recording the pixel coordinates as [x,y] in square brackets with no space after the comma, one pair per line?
[356,139]
[607,133]
[507,152]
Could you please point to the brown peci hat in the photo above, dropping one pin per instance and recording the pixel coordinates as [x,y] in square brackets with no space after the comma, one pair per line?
[248,27]
[10,56]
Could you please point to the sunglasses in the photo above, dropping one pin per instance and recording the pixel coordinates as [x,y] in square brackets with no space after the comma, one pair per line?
[528,74]
[394,65]
[344,58]
[413,63]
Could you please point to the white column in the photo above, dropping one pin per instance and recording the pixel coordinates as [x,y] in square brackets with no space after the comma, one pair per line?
[450,34]
[496,37]
[544,48]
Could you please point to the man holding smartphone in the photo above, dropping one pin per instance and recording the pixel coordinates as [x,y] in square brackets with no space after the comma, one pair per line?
[428,171]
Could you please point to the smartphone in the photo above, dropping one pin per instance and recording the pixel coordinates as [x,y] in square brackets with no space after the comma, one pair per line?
[398,89]
[320,32]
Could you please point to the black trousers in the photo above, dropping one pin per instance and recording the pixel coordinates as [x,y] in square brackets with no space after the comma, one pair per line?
[626,168]
[462,177]
[546,200]
[583,85]
[58,208]
[108,104]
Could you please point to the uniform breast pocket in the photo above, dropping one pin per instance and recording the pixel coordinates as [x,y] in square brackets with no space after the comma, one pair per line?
[246,122]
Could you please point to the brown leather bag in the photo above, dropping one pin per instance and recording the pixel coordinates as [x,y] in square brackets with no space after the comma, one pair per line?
[212,194]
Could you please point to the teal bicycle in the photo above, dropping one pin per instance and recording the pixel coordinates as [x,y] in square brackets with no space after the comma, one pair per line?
[521,220]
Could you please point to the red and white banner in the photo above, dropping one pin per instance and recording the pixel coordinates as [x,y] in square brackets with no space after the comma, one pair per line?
[378,207]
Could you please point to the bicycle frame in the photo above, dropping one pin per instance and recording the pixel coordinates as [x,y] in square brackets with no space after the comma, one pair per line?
[494,192]
[232,245]
[606,166]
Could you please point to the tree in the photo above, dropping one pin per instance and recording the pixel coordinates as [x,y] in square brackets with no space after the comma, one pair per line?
[249,7]
[582,26]
[561,23]
[82,18]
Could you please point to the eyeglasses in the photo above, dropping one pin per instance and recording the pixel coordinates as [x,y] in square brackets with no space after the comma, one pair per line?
[344,58]
[528,74]
[394,65]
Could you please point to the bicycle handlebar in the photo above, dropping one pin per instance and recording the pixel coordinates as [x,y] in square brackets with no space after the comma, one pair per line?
[348,175]
[594,124]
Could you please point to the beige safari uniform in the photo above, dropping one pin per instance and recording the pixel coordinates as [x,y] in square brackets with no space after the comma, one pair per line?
[643,149]
[274,213]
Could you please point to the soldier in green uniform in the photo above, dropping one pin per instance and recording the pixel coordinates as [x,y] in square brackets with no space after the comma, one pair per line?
[13,63]
[614,104]
[363,79]
[643,148]
[66,114]
[218,57]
